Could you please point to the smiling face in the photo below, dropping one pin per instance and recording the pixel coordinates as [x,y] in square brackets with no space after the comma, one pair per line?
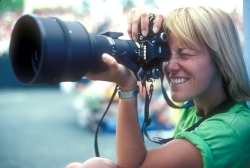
[192,73]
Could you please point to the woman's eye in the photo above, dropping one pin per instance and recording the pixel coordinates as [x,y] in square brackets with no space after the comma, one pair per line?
[185,54]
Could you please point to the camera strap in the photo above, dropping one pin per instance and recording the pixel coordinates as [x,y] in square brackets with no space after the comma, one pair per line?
[169,102]
[221,108]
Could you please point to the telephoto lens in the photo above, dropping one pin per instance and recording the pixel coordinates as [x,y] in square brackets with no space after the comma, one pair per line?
[47,50]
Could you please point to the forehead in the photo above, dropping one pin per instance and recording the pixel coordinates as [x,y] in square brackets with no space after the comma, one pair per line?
[177,46]
[177,43]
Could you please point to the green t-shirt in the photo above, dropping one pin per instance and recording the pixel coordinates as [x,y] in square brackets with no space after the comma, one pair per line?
[224,139]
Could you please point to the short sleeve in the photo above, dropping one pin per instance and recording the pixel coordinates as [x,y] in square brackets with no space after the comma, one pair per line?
[218,142]
[206,153]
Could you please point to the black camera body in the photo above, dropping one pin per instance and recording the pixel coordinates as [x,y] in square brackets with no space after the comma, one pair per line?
[49,50]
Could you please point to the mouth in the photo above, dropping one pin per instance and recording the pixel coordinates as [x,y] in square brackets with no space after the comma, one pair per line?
[175,81]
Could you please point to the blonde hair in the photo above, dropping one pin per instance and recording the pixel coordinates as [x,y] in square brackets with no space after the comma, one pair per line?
[215,29]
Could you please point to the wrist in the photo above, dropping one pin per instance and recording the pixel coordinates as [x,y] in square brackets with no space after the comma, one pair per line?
[128,94]
[127,81]
[127,88]
[129,85]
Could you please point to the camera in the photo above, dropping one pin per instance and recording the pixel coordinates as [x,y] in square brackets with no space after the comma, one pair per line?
[47,50]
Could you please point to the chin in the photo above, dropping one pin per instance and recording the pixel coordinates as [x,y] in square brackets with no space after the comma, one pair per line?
[180,99]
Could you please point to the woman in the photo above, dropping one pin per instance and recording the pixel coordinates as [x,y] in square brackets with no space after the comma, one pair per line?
[206,66]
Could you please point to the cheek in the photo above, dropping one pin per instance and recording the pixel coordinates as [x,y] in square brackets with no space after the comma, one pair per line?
[208,75]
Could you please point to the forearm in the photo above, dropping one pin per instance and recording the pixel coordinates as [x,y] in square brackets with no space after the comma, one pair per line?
[131,150]
[130,147]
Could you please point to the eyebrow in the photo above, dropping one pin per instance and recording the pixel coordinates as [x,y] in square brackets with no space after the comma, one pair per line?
[179,50]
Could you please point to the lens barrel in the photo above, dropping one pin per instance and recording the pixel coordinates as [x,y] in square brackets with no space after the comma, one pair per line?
[49,50]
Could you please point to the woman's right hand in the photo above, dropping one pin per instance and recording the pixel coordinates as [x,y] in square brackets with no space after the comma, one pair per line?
[140,17]
[116,73]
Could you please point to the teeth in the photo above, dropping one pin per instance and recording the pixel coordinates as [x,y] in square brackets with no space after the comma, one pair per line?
[178,81]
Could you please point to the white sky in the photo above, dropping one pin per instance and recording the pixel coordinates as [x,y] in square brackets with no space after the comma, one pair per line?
[113,7]
[227,5]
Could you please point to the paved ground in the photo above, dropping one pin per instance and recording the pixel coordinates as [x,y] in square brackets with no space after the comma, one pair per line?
[38,130]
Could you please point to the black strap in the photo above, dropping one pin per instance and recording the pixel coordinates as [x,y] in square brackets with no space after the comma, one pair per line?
[147,120]
[169,102]
[97,154]
[221,108]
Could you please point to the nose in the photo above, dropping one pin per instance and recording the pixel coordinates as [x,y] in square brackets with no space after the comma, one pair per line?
[172,65]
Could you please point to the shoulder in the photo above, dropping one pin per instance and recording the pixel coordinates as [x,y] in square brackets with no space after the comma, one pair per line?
[235,122]
[187,119]
[223,139]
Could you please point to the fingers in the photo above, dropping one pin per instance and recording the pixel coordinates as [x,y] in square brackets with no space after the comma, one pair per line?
[138,19]
[159,17]
[116,73]
[105,76]
[133,20]
[144,21]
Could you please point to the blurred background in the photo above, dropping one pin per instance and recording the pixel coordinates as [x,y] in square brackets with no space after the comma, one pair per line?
[51,126]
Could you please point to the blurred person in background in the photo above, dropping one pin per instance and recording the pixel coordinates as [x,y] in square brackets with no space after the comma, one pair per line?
[206,66]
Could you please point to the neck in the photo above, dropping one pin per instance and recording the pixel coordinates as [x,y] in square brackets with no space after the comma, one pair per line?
[203,107]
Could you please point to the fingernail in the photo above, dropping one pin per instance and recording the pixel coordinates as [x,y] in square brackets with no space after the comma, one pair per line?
[155,29]
[144,33]
[134,38]
[104,57]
